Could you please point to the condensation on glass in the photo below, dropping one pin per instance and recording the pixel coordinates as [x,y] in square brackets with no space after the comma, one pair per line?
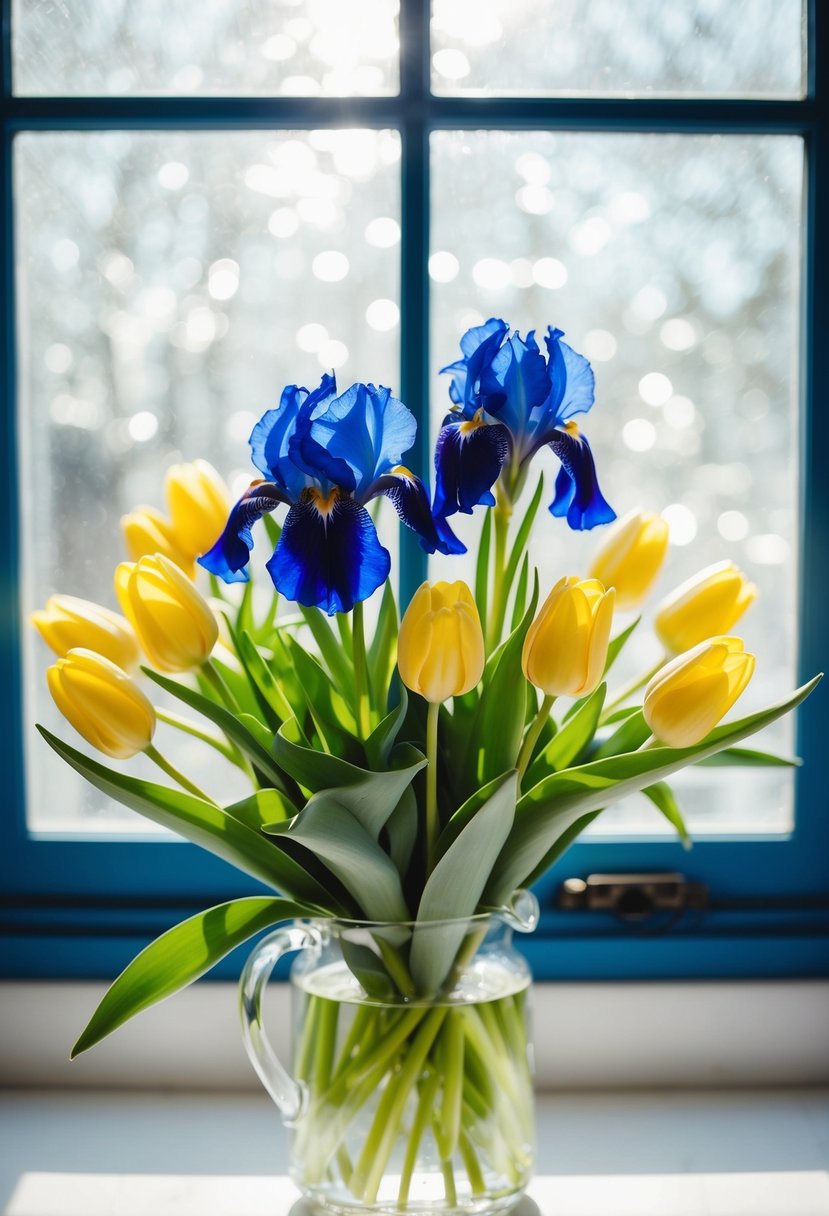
[673,263]
[619,48]
[296,48]
[169,286]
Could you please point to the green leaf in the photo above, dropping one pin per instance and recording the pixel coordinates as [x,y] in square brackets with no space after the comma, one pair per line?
[618,644]
[382,650]
[339,668]
[454,888]
[264,806]
[333,835]
[520,602]
[552,806]
[466,813]
[499,726]
[227,722]
[180,956]
[482,567]
[663,798]
[333,719]
[632,732]
[523,534]
[401,831]
[373,796]
[262,677]
[561,845]
[750,758]
[571,739]
[205,824]
[382,739]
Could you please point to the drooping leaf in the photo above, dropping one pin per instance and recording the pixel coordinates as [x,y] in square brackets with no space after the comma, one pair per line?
[752,759]
[368,967]
[373,797]
[333,834]
[202,822]
[562,844]
[663,798]
[551,807]
[265,806]
[454,888]
[180,956]
[570,739]
[227,722]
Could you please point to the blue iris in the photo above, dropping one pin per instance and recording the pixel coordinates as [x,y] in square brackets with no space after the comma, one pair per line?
[508,402]
[326,456]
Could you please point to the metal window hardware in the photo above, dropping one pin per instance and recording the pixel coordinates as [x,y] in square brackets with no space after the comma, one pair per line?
[632,897]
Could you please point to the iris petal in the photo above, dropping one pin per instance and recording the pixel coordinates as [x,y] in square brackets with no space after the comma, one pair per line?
[468,461]
[410,499]
[577,494]
[571,380]
[479,347]
[329,555]
[271,437]
[231,552]
[515,384]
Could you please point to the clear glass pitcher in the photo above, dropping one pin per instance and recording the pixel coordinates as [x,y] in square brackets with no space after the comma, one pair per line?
[412,1064]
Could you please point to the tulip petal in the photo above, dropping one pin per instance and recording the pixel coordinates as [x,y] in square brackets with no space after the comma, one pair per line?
[329,555]
[577,496]
[468,461]
[408,496]
[231,552]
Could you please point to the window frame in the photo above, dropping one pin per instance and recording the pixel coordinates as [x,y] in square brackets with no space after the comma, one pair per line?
[78,908]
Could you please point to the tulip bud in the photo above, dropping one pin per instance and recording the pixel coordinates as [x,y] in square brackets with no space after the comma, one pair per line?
[146,531]
[631,556]
[686,699]
[103,703]
[199,503]
[565,649]
[67,623]
[440,650]
[707,605]
[172,620]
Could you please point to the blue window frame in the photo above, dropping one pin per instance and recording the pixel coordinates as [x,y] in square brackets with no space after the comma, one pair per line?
[80,908]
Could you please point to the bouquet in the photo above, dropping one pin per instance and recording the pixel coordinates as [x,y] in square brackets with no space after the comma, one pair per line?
[419,774]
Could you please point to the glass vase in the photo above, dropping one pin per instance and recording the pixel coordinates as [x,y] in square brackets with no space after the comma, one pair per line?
[411,1085]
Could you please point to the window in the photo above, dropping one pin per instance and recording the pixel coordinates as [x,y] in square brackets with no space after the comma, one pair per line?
[191,221]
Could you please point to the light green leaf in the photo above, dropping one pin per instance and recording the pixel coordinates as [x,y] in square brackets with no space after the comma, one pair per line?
[382,739]
[333,655]
[382,649]
[662,797]
[265,806]
[629,735]
[372,798]
[618,644]
[523,533]
[180,956]
[454,888]
[227,722]
[552,806]
[261,675]
[333,835]
[753,759]
[572,737]
[519,603]
[482,567]
[332,717]
[205,824]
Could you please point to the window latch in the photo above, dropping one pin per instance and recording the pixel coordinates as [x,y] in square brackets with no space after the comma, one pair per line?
[632,897]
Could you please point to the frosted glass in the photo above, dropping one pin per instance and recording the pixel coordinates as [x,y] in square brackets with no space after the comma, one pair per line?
[619,48]
[673,263]
[169,286]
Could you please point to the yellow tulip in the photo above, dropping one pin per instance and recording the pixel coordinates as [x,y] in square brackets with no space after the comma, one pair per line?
[103,703]
[631,556]
[686,699]
[440,651]
[67,623]
[146,531]
[199,503]
[707,605]
[171,618]
[566,646]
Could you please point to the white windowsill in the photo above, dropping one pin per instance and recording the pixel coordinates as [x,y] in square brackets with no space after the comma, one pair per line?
[587,1036]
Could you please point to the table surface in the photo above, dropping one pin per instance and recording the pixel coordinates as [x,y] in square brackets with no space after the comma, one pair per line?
[700,1153]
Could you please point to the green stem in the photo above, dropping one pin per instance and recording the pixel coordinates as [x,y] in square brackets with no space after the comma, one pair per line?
[361,671]
[192,728]
[531,737]
[216,681]
[428,1093]
[432,784]
[396,968]
[630,689]
[450,1111]
[171,771]
[501,514]
[472,1165]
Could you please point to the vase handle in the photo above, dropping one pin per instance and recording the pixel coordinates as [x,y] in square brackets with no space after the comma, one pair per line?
[288,1094]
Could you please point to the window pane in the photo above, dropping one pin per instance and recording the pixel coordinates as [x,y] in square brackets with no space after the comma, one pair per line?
[673,263]
[153,47]
[169,286]
[619,48]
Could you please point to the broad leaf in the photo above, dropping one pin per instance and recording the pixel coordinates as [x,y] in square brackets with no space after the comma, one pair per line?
[552,806]
[752,759]
[629,735]
[265,806]
[572,737]
[454,888]
[332,834]
[401,831]
[180,956]
[382,739]
[373,797]
[205,824]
